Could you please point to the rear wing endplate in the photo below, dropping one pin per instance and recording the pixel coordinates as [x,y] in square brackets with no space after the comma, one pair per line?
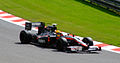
[29,25]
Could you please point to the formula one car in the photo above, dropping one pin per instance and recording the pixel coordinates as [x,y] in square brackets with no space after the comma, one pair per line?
[51,37]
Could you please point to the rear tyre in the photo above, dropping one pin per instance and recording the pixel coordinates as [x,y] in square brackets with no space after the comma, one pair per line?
[25,37]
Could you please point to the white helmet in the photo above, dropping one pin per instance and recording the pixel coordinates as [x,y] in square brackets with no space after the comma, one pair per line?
[54,24]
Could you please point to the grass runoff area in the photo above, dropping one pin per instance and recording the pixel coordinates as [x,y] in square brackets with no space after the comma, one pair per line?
[73,16]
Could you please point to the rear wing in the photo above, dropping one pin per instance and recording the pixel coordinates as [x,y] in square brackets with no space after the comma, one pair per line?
[29,25]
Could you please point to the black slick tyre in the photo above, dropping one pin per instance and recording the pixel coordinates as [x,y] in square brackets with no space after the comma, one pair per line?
[25,37]
[61,45]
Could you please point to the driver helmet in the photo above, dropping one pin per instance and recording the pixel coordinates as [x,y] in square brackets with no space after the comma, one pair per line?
[57,31]
[54,24]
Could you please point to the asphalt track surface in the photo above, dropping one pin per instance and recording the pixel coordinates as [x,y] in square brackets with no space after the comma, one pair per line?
[11,51]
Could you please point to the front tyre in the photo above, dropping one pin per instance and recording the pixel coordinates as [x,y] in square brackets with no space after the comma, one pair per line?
[88,41]
[62,44]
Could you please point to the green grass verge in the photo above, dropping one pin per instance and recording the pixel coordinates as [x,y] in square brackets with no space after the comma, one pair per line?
[73,16]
